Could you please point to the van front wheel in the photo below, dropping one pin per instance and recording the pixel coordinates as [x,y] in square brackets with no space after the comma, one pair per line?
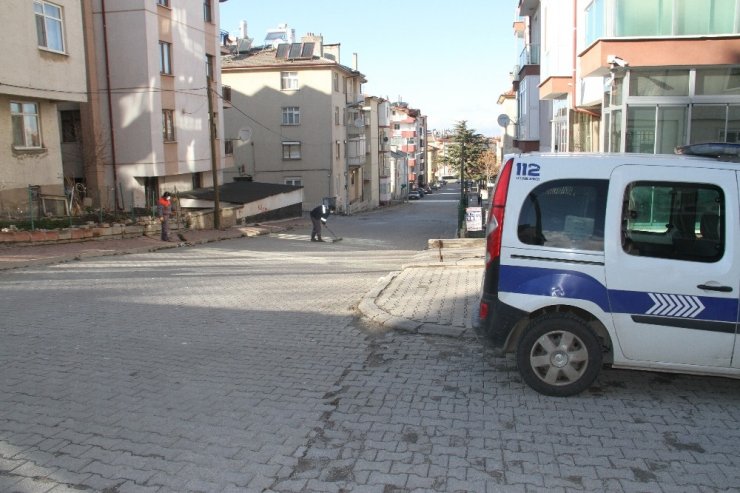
[559,355]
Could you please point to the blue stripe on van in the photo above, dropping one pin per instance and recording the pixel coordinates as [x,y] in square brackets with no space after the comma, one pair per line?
[553,282]
[561,283]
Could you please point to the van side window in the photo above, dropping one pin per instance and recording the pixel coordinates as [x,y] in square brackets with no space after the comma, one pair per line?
[565,214]
[681,221]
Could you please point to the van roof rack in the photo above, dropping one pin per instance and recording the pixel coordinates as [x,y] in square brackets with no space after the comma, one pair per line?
[719,150]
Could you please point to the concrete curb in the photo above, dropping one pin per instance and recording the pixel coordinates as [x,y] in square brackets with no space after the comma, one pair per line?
[371,311]
[50,259]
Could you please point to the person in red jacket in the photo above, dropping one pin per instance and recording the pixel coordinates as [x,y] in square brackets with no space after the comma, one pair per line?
[164,210]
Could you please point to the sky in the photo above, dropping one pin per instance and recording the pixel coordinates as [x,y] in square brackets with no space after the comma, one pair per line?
[451,60]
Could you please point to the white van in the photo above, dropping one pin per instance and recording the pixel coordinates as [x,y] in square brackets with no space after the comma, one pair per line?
[622,259]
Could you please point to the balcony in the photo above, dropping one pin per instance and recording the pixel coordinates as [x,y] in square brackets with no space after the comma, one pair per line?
[530,55]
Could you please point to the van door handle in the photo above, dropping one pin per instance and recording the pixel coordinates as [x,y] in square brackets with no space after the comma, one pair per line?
[722,289]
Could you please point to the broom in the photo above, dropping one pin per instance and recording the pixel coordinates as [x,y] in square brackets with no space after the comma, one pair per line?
[335,239]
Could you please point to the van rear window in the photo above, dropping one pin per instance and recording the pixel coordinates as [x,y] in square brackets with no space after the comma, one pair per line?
[565,214]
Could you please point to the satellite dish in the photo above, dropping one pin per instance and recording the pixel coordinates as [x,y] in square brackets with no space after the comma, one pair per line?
[503,120]
[245,134]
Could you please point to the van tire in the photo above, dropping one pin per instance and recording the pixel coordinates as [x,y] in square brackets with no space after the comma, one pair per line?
[559,355]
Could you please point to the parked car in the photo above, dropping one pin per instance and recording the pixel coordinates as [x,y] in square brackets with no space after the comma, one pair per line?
[414,195]
[625,259]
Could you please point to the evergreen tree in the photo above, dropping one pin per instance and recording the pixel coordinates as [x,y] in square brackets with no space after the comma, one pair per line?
[468,146]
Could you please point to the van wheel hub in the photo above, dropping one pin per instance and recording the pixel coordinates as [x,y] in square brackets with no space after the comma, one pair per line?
[559,359]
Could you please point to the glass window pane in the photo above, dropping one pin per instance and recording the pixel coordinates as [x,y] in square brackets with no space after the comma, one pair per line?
[707,122]
[692,17]
[40,31]
[733,124]
[659,83]
[594,21]
[615,140]
[18,134]
[52,11]
[682,221]
[640,135]
[718,81]
[565,214]
[54,35]
[636,18]
[671,128]
[33,136]
[722,15]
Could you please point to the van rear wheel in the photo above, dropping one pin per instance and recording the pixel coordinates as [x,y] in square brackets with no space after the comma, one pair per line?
[559,355]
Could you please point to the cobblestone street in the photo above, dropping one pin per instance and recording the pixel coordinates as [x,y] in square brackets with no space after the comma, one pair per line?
[242,365]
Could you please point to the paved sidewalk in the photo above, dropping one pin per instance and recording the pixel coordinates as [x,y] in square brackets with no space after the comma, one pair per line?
[435,294]
[13,257]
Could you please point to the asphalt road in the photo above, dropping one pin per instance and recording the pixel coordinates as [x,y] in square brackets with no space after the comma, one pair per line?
[241,366]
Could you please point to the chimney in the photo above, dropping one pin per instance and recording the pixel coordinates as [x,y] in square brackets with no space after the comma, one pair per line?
[354,61]
[243,29]
[318,40]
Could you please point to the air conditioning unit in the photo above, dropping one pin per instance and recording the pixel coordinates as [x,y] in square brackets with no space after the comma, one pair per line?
[515,73]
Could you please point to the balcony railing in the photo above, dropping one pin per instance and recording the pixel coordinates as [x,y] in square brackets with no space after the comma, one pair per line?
[530,55]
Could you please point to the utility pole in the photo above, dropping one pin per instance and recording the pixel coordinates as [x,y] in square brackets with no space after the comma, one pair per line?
[463,202]
[462,171]
[212,132]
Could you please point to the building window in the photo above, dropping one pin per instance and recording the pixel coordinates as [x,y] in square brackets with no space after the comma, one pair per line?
[226,93]
[288,80]
[291,115]
[168,125]
[336,115]
[291,151]
[209,67]
[229,147]
[337,151]
[163,3]
[207,12]
[25,123]
[165,58]
[335,81]
[49,26]
[296,182]
[70,126]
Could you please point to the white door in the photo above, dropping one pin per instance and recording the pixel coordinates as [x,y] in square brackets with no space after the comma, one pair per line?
[671,265]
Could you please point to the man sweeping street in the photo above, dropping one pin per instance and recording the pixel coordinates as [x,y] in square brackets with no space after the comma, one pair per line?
[319,215]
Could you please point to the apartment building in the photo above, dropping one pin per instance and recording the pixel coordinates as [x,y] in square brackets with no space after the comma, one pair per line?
[376,170]
[150,124]
[408,135]
[43,69]
[630,75]
[305,116]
